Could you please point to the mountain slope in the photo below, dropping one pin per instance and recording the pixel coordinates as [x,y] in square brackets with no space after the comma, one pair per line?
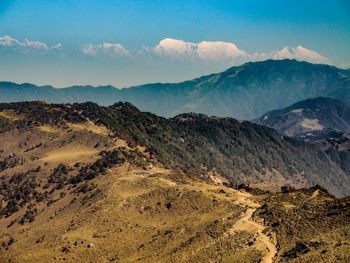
[197,144]
[243,92]
[311,119]
[70,190]
[77,179]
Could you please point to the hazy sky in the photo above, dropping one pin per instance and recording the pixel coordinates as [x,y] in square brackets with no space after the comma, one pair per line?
[124,43]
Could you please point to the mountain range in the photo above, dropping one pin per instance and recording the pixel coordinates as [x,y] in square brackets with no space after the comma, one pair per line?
[243,92]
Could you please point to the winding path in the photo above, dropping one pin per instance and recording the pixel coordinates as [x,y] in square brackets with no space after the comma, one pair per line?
[263,242]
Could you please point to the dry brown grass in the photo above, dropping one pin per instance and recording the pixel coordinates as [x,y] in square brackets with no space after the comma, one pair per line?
[152,215]
[89,126]
[70,154]
[133,221]
[48,129]
[11,115]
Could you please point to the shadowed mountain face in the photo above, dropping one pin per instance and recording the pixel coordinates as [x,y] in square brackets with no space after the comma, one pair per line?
[311,119]
[243,152]
[243,92]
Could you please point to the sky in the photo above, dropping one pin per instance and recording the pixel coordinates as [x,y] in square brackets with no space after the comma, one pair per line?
[127,43]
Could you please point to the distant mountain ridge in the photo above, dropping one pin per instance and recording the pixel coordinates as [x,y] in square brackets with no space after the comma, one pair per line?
[243,92]
[311,119]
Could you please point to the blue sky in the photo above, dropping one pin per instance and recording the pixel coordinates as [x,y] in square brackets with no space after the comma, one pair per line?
[120,42]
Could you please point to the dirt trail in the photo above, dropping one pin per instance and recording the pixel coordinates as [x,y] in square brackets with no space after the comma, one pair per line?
[263,242]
